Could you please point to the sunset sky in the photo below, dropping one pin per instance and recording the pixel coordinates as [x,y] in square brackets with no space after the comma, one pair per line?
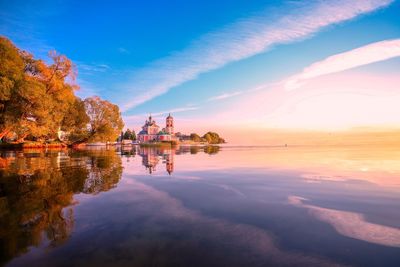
[226,65]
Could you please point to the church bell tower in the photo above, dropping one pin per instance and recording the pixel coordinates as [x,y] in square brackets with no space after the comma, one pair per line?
[169,127]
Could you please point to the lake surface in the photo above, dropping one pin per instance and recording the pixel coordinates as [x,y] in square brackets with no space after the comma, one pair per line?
[228,206]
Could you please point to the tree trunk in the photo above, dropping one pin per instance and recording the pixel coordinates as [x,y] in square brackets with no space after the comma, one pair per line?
[4,133]
[22,138]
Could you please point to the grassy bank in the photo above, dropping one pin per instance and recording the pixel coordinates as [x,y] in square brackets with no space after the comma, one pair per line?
[32,145]
[159,144]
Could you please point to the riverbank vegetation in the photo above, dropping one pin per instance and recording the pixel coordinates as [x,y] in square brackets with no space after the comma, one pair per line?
[209,137]
[38,102]
[129,135]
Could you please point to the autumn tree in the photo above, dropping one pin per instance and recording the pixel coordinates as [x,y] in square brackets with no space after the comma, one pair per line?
[75,121]
[38,99]
[195,137]
[49,98]
[105,122]
[35,97]
[213,138]
[12,81]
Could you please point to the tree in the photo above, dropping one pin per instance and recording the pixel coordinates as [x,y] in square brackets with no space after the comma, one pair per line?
[213,138]
[133,136]
[105,122]
[11,81]
[75,121]
[130,135]
[195,137]
[38,99]
[34,97]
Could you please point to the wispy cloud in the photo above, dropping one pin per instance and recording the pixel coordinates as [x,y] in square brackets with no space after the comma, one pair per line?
[138,119]
[241,92]
[226,95]
[364,55]
[241,40]
[87,68]
[175,110]
[16,24]
[86,89]
[123,50]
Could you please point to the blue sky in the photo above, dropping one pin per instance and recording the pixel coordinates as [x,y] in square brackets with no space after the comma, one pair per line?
[206,60]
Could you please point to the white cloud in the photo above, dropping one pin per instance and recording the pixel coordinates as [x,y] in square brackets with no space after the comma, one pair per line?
[174,110]
[241,40]
[364,55]
[226,95]
[247,91]
[89,68]
[138,119]
[123,50]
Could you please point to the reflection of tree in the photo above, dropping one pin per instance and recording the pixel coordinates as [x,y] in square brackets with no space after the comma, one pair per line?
[105,172]
[211,149]
[36,188]
[194,149]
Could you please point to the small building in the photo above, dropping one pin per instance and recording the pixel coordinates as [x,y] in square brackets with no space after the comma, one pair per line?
[127,142]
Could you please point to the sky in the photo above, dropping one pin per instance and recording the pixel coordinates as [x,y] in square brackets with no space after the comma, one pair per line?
[237,67]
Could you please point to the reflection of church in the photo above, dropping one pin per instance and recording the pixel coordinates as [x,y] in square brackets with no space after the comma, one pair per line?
[151,157]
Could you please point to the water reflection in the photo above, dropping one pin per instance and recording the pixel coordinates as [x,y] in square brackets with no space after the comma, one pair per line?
[200,206]
[37,186]
[152,156]
[352,224]
[37,189]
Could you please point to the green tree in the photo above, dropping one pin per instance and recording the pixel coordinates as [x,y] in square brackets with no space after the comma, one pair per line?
[133,136]
[105,122]
[128,134]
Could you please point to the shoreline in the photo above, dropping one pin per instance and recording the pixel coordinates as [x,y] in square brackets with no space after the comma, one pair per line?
[18,146]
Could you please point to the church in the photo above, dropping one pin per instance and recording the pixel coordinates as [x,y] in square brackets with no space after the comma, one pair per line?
[151,131]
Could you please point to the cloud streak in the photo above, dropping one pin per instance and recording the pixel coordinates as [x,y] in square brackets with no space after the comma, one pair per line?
[138,119]
[364,55]
[241,40]
[89,68]
[226,95]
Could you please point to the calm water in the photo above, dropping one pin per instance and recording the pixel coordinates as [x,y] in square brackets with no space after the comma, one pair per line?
[230,206]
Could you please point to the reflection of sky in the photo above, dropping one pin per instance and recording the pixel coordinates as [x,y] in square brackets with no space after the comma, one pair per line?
[237,206]
[315,164]
[352,224]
